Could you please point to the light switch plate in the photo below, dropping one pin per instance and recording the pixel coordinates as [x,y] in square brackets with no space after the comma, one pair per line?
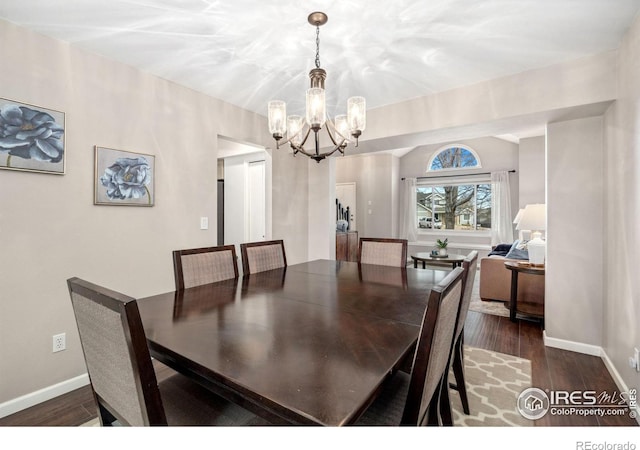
[204,223]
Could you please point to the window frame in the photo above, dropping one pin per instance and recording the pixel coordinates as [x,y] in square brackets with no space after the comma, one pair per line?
[463,180]
[453,169]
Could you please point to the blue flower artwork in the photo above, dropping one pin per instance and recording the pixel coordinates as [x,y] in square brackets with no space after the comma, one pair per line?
[31,138]
[123,178]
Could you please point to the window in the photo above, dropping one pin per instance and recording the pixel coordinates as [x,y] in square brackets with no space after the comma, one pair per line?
[456,156]
[454,203]
[459,206]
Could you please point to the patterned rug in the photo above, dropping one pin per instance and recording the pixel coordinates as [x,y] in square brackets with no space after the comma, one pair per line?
[494,381]
[495,308]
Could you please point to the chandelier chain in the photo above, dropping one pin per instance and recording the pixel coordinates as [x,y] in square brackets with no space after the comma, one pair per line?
[317,47]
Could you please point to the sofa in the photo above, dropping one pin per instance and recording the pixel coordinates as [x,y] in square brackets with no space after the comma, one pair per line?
[495,281]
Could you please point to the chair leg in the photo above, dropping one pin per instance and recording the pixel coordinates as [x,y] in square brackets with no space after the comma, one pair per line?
[106,418]
[458,372]
[445,402]
[433,412]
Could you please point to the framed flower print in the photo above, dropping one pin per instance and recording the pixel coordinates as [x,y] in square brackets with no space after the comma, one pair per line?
[32,138]
[123,178]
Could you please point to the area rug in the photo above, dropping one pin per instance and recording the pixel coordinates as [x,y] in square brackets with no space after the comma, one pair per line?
[494,381]
[495,308]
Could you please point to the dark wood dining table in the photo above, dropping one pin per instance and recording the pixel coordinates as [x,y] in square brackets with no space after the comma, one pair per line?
[309,344]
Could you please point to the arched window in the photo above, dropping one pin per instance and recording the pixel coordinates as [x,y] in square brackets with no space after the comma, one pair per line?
[452,202]
[456,156]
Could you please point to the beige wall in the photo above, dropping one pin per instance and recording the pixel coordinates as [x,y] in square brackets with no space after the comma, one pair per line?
[499,103]
[531,167]
[49,226]
[621,240]
[575,191]
[374,175]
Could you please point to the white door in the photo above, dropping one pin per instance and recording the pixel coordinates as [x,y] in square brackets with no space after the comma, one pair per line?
[256,201]
[346,195]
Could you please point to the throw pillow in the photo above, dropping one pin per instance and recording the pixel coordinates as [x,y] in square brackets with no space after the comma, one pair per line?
[342,225]
[501,250]
[518,251]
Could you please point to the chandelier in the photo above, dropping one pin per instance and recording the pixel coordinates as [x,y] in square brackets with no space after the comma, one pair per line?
[299,128]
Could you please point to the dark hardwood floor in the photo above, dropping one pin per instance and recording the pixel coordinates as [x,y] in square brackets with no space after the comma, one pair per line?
[551,369]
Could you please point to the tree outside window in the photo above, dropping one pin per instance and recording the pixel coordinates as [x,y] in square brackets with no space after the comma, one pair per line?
[455,205]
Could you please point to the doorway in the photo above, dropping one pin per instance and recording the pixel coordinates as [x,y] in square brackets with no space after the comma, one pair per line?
[256,218]
[346,196]
[245,206]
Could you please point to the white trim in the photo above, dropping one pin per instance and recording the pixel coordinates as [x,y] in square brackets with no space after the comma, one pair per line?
[447,169]
[622,386]
[448,232]
[572,346]
[42,395]
[593,350]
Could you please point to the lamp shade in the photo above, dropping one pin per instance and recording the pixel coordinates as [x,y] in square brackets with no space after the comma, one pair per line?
[518,216]
[295,125]
[534,217]
[277,117]
[316,108]
[356,114]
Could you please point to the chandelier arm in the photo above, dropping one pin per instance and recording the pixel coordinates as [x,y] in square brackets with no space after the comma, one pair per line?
[343,143]
[318,156]
[286,141]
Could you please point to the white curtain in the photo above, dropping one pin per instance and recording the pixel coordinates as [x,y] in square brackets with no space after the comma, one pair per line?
[501,219]
[408,213]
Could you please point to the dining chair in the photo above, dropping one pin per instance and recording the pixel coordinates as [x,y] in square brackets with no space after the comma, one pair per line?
[417,398]
[470,267]
[383,275]
[121,372]
[198,266]
[261,256]
[383,252]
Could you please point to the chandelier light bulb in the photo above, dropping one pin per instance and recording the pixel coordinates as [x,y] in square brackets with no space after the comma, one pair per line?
[342,127]
[316,112]
[294,126]
[277,112]
[356,114]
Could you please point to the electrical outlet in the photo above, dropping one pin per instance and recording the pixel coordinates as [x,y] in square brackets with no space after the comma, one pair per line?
[59,342]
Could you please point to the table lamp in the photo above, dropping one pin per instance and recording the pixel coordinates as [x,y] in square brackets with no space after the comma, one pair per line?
[516,221]
[534,218]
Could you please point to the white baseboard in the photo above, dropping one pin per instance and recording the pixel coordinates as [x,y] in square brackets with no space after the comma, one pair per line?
[622,386]
[34,398]
[593,350]
[572,346]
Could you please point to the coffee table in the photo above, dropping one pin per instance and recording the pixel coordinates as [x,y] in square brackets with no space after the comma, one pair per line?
[454,259]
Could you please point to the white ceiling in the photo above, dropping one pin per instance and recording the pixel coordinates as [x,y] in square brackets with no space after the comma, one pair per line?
[248,52]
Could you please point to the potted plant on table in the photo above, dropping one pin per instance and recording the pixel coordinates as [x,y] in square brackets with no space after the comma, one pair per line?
[442,246]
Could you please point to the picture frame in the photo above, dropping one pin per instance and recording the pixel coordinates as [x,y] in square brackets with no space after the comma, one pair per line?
[32,138]
[123,178]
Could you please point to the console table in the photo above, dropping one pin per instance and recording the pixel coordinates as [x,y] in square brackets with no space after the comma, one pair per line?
[530,309]
[347,246]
